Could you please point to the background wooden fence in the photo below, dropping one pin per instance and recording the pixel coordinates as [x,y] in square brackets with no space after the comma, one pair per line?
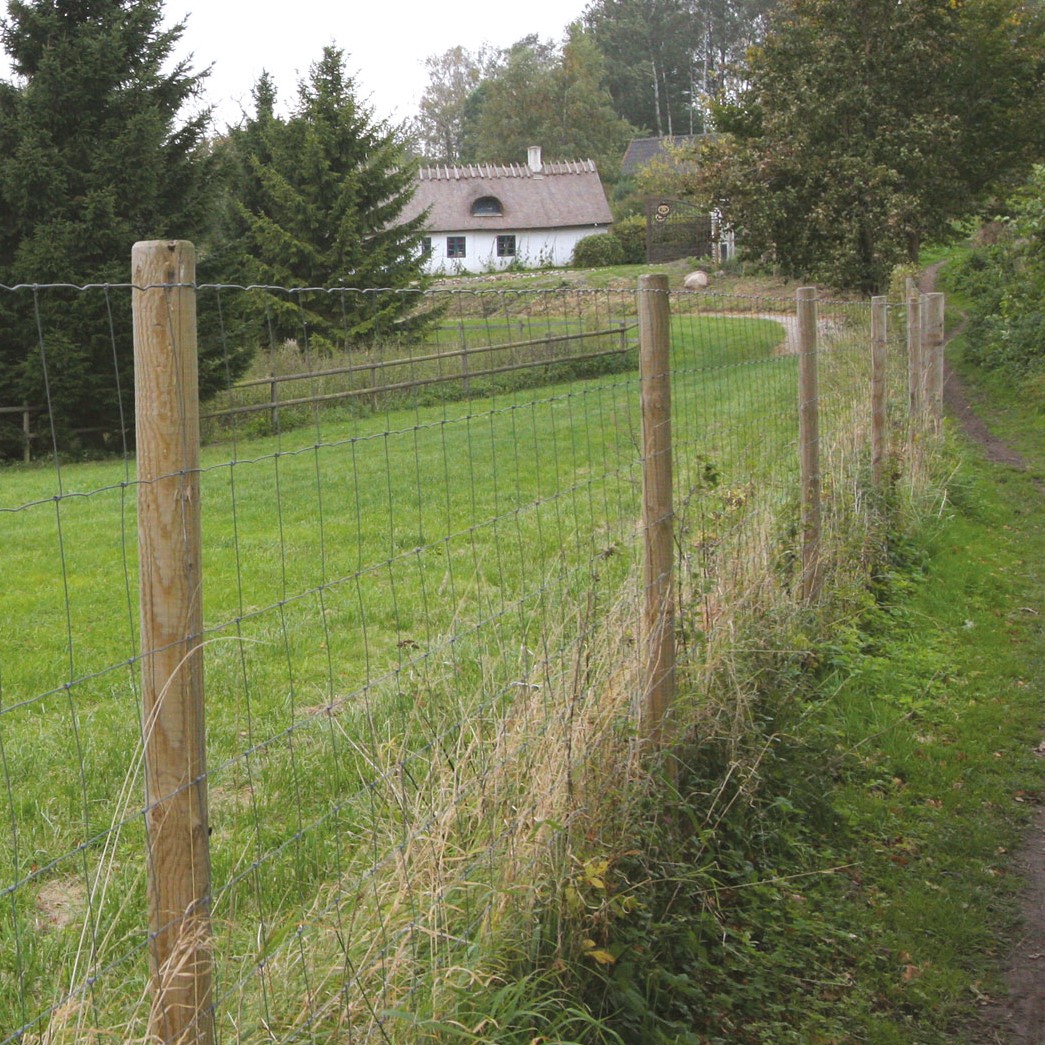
[467,364]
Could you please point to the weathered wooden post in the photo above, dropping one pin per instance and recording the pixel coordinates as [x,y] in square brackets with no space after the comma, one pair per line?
[657,507]
[466,385]
[273,403]
[167,427]
[915,372]
[27,427]
[809,441]
[879,447]
[934,337]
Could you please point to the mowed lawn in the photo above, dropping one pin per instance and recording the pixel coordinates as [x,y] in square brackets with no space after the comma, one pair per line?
[373,586]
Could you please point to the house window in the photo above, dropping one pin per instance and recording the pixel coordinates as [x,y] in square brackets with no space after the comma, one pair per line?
[506,246]
[487,206]
[426,245]
[455,246]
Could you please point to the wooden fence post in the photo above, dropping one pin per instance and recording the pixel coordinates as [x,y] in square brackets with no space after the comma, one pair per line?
[915,371]
[657,507]
[879,448]
[934,336]
[273,403]
[27,433]
[809,441]
[466,385]
[167,428]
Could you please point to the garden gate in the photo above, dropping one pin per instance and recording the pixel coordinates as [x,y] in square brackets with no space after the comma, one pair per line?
[677,229]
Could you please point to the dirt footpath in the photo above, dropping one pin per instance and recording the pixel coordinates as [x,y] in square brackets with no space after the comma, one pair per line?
[1018,1018]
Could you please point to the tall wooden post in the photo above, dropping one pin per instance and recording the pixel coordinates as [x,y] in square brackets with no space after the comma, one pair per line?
[879,448]
[167,427]
[273,404]
[465,382]
[809,441]
[915,365]
[27,434]
[915,376]
[657,507]
[934,337]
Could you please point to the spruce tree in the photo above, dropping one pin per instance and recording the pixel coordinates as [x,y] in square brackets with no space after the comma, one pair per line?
[93,156]
[316,200]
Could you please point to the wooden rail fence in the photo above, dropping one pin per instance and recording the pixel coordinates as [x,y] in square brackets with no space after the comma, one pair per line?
[462,358]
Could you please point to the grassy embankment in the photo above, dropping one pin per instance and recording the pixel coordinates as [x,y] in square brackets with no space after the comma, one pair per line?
[847,876]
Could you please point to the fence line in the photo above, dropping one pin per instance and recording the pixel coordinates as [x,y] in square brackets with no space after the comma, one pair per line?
[658,528]
[422,633]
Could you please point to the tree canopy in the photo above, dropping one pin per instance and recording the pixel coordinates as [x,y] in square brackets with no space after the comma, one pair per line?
[866,127]
[492,107]
[94,155]
[439,128]
[665,57]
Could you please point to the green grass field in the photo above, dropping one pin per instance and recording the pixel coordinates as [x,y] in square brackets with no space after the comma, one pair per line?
[379,590]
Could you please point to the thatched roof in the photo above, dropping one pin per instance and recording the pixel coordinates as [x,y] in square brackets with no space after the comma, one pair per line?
[555,195]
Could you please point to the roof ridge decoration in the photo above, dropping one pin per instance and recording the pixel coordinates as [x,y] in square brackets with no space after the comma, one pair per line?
[459,172]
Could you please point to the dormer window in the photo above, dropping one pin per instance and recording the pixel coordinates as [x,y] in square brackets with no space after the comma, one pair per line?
[487,207]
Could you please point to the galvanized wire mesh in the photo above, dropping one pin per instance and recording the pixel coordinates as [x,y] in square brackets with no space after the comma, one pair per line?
[421,563]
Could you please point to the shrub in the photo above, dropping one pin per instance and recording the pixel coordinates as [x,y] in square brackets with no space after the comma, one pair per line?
[631,234]
[598,251]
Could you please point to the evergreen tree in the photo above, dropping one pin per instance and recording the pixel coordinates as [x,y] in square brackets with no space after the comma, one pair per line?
[315,202]
[92,158]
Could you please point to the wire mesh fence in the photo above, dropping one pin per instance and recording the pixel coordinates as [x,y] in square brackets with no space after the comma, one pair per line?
[421,580]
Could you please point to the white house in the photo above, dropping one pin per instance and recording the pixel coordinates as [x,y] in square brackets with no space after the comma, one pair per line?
[485,217]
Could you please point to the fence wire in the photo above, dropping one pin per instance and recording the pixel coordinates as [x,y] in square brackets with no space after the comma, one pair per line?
[421,574]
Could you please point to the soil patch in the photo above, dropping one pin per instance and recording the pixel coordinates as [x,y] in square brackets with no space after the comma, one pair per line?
[957,402]
[60,903]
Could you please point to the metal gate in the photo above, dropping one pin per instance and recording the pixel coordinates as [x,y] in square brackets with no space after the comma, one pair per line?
[677,229]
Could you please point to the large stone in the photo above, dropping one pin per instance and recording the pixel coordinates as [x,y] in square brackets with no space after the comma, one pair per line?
[696,280]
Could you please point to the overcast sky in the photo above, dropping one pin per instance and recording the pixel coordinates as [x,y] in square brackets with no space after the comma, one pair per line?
[386,42]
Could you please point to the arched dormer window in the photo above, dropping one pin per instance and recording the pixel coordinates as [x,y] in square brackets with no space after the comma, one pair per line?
[487,207]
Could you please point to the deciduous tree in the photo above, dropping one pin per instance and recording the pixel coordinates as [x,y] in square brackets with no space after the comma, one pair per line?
[868,126]
[1005,278]
[555,97]
[439,127]
[665,56]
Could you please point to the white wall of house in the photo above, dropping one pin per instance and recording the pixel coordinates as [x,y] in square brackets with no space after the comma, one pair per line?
[532,249]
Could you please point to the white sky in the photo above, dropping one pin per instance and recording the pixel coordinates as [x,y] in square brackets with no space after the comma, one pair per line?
[386,42]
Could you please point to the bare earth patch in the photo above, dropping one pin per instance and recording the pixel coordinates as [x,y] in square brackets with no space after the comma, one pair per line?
[60,903]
